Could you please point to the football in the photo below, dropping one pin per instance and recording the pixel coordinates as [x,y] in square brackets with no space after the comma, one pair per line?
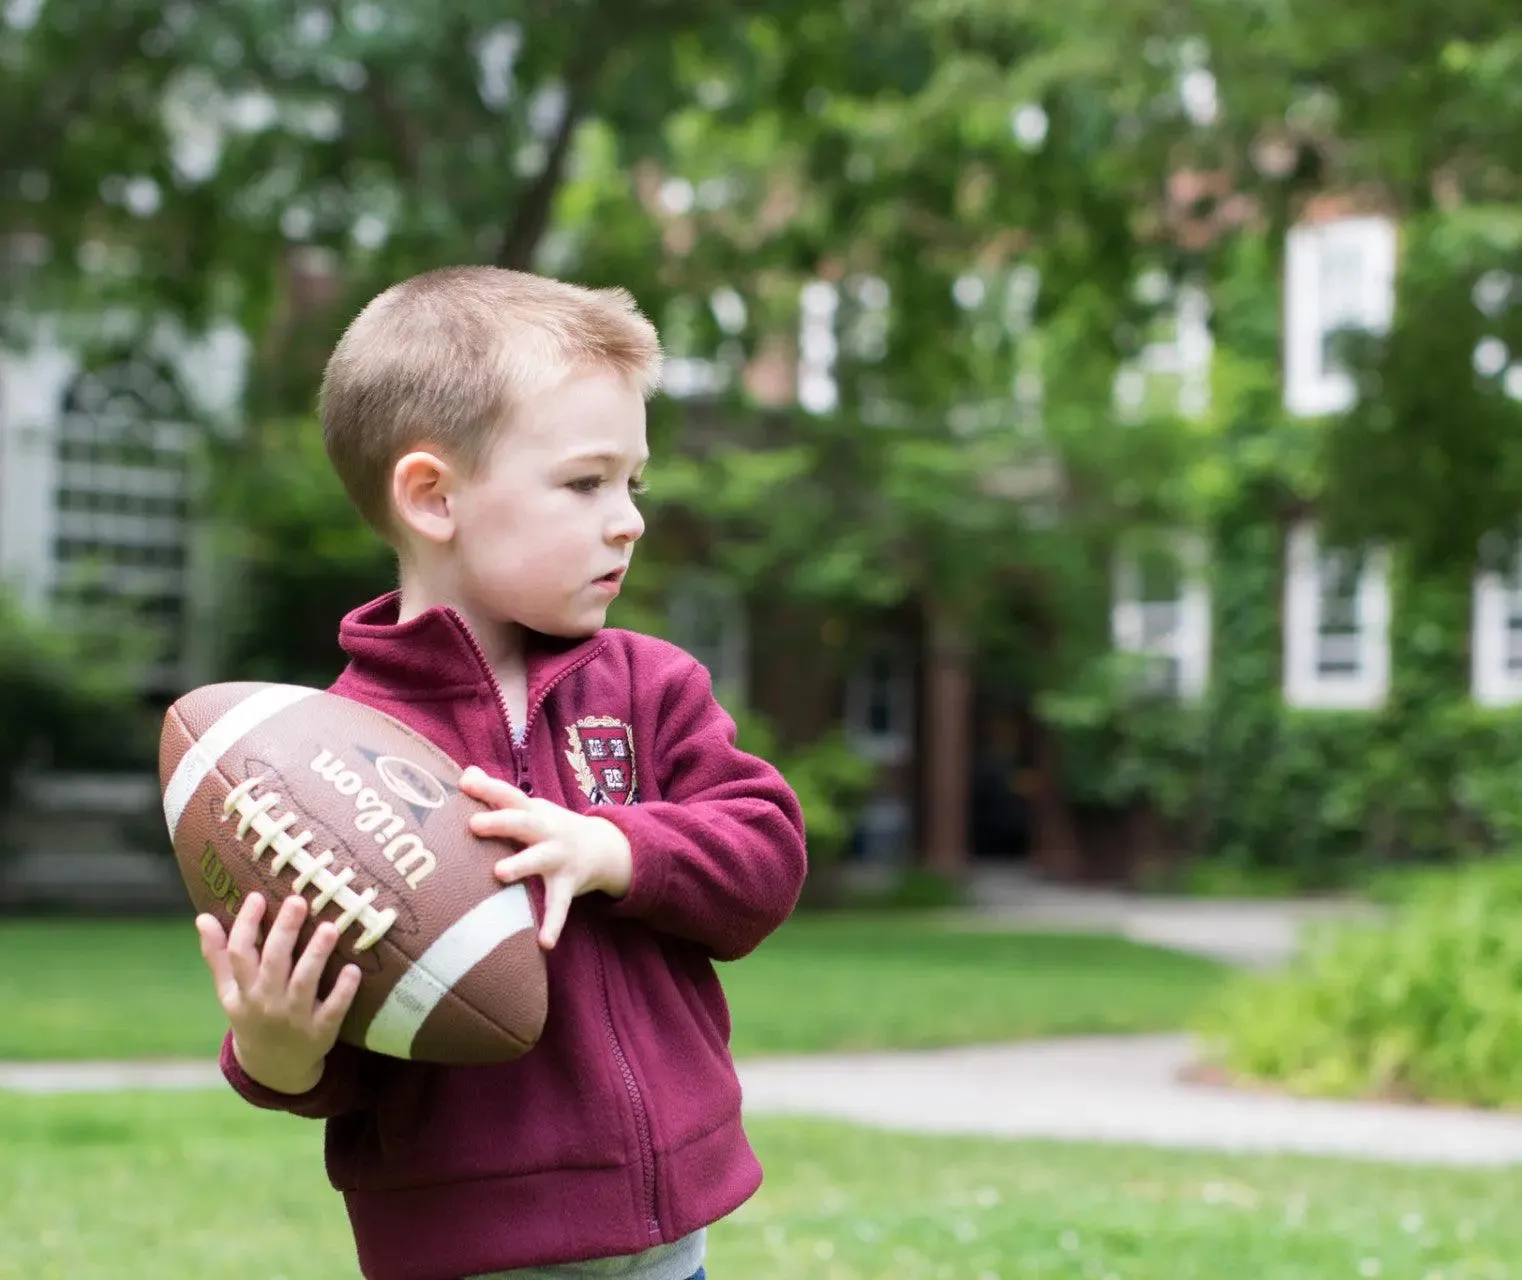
[285,789]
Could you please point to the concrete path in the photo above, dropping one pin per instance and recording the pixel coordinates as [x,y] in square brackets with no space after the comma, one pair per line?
[1114,1089]
[1108,1089]
[1102,1089]
[1252,933]
[107,1077]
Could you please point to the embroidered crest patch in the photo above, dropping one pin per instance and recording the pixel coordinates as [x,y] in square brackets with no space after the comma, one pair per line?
[602,754]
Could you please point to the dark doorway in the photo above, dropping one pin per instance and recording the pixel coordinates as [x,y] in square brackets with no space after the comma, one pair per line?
[1003,762]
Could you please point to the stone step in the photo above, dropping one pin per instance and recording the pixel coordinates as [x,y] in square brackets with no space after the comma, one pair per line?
[106,881]
[87,842]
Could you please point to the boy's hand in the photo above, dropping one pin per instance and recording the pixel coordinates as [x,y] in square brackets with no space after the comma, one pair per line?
[575,853]
[281,1031]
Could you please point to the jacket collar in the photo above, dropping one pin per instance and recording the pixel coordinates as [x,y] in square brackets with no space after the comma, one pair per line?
[436,652]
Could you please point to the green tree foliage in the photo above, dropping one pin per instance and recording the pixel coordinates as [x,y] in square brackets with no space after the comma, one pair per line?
[983,185]
[181,152]
[1429,459]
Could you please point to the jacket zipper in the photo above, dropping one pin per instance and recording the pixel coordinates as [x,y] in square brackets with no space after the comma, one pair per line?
[525,784]
[518,755]
[520,768]
[636,1099]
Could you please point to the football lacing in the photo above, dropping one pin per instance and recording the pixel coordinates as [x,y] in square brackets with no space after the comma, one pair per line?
[255,813]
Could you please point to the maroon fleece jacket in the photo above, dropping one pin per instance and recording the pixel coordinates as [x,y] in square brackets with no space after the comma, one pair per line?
[620,1129]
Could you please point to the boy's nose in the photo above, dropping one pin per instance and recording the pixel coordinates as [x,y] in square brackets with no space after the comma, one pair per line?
[628,525]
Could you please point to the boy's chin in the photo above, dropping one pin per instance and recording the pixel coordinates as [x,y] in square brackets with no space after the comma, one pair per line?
[580,628]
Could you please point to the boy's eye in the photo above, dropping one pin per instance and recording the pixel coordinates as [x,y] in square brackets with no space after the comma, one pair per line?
[591,484]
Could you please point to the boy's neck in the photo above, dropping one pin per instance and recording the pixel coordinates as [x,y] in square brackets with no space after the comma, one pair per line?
[501,643]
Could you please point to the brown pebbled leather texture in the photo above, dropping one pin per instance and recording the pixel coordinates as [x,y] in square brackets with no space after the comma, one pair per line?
[361,783]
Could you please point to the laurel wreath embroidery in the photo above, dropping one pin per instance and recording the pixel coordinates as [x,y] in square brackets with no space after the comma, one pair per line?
[593,786]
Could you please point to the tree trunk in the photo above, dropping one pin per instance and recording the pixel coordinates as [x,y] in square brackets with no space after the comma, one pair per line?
[1055,848]
[948,705]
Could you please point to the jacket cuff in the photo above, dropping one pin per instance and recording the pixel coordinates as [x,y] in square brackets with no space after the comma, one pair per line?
[649,861]
[310,1104]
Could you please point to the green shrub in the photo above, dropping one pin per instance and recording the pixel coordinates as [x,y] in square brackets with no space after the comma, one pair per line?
[63,697]
[910,889]
[831,781]
[1423,1003]
[300,562]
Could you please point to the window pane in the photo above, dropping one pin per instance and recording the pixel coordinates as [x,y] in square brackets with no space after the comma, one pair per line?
[122,500]
[1339,654]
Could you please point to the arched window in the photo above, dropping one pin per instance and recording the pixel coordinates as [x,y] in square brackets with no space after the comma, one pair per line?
[121,494]
[708,620]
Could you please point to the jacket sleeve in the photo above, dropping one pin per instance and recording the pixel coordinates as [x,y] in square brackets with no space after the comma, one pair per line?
[720,858]
[342,1088]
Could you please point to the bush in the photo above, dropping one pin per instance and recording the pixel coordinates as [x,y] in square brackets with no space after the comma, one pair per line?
[830,780]
[61,697]
[1424,1004]
[911,889]
[301,562]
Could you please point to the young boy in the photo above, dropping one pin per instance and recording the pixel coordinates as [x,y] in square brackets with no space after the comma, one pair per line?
[491,426]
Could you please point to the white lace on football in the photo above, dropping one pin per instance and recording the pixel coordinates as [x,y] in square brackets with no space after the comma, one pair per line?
[255,813]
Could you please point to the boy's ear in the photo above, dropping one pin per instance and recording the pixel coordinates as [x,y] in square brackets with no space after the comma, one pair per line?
[422,488]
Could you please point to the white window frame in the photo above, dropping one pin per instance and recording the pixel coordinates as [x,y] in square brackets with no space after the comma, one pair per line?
[1179,628]
[1188,357]
[885,829]
[686,375]
[693,377]
[35,382]
[1312,385]
[1497,601]
[130,536]
[848,318]
[1306,684]
[895,744]
[691,599]
[815,387]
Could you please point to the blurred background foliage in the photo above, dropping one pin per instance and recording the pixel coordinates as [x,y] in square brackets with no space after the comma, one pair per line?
[987,186]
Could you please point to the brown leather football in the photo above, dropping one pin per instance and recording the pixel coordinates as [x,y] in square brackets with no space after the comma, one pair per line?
[285,789]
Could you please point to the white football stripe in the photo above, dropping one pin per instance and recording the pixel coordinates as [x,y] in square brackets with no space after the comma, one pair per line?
[225,732]
[457,951]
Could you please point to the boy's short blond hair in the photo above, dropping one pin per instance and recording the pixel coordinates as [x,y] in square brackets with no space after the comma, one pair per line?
[443,359]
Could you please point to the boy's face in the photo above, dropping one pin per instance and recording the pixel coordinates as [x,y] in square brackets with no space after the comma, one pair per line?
[543,534]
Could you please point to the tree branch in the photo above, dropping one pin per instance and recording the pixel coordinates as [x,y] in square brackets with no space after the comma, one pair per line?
[532,219]
[406,144]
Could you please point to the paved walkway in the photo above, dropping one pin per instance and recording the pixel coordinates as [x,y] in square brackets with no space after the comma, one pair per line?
[1254,933]
[1109,1089]
[1112,1089]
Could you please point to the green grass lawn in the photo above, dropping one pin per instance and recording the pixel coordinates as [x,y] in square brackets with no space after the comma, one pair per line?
[134,989]
[164,1187]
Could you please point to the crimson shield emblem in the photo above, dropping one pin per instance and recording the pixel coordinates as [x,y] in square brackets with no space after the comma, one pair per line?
[602,754]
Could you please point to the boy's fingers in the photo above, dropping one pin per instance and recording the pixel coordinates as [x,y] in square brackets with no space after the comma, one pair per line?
[332,1011]
[280,945]
[214,952]
[558,892]
[306,973]
[482,786]
[507,824]
[213,937]
[243,941]
[538,860]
